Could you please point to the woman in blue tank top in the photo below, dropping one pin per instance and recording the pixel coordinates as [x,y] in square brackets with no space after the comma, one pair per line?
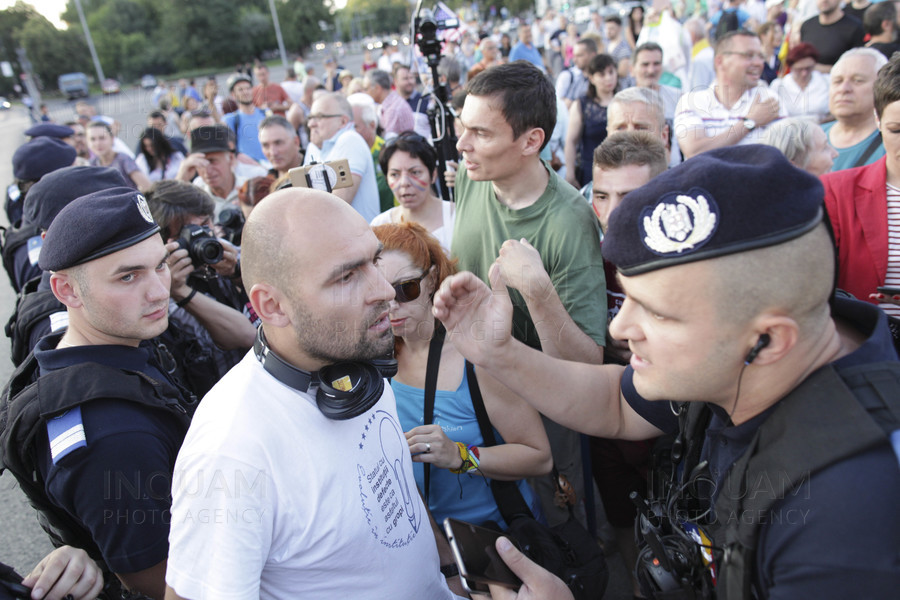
[461,467]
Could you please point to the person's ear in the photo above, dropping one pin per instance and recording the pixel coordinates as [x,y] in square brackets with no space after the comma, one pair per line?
[533,139]
[269,304]
[66,289]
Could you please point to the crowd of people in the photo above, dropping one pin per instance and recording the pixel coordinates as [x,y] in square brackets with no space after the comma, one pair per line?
[674,235]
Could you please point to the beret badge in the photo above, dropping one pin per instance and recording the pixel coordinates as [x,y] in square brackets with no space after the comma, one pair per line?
[679,223]
[144,208]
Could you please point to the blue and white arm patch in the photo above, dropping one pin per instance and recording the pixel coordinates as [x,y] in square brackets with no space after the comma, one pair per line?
[66,434]
[34,249]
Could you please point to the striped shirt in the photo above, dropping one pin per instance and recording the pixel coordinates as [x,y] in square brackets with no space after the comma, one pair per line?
[892,279]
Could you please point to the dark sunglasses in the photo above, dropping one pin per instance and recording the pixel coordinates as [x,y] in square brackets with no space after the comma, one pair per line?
[409,289]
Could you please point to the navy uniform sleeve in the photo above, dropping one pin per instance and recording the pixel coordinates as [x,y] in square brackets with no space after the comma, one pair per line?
[119,485]
[658,413]
[838,536]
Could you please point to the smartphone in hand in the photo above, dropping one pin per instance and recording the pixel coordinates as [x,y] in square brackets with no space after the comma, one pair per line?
[477,557]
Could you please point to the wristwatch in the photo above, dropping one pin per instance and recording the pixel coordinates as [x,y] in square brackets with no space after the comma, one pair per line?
[448,571]
[749,124]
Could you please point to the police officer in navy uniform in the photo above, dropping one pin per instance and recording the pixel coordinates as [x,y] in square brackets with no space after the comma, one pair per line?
[110,422]
[21,243]
[728,268]
[15,192]
[38,312]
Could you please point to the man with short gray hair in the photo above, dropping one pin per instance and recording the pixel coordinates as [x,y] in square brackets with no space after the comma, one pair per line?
[280,144]
[394,113]
[332,136]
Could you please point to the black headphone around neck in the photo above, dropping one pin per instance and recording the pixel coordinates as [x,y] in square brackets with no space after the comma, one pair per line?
[359,384]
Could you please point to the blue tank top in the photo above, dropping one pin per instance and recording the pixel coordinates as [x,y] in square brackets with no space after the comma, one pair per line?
[468,496]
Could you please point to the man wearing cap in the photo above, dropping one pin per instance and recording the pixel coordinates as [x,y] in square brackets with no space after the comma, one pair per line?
[244,122]
[728,270]
[38,312]
[97,456]
[325,504]
[21,243]
[212,166]
[735,109]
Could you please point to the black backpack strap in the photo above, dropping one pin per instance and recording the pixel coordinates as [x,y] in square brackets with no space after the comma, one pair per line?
[506,493]
[431,375]
[869,151]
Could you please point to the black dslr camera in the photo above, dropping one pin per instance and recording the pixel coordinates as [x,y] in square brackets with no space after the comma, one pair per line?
[203,247]
[231,222]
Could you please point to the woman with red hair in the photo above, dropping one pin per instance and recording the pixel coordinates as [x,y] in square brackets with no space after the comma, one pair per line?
[803,91]
[461,465]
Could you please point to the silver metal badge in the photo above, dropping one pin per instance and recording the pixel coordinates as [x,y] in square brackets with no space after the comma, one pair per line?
[144,208]
[679,226]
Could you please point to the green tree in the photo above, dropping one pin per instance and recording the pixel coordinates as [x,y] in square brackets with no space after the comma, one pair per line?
[53,52]
[390,16]
[300,22]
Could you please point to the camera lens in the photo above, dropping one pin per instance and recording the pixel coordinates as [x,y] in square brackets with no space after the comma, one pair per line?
[208,250]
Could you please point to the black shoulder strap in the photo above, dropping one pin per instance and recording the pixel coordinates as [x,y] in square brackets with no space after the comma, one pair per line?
[431,375]
[237,131]
[12,239]
[32,307]
[506,493]
[833,415]
[870,149]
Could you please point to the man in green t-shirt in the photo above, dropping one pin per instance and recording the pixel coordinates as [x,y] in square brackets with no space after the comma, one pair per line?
[513,210]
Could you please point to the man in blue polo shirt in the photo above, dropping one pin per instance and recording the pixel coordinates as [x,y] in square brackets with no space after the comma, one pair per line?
[525,50]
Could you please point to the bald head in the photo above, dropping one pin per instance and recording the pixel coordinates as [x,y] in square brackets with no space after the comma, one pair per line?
[293,228]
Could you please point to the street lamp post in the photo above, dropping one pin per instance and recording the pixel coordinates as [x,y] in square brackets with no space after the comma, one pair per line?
[90,41]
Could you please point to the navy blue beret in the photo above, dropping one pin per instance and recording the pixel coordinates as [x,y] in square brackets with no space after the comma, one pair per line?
[50,130]
[720,202]
[96,225]
[39,156]
[55,190]
[210,138]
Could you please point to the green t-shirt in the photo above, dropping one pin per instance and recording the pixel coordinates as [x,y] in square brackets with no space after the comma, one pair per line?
[563,229]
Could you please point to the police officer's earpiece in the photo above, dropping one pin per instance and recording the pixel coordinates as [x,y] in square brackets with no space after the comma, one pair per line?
[361,383]
[761,343]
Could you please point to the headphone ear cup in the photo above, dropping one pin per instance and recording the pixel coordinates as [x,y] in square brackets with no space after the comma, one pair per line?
[364,385]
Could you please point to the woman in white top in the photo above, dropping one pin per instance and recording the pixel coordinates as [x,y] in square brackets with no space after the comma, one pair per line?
[157,159]
[803,91]
[409,164]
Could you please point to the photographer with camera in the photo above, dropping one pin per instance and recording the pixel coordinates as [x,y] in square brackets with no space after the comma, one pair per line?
[205,300]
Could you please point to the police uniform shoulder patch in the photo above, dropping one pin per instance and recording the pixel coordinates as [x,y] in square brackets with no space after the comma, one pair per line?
[679,223]
[144,208]
[66,433]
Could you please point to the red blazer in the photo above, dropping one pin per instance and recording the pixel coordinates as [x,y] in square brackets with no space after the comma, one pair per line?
[856,200]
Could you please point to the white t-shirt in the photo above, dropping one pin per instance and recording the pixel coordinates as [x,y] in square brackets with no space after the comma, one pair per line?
[271,499]
[444,233]
[702,110]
